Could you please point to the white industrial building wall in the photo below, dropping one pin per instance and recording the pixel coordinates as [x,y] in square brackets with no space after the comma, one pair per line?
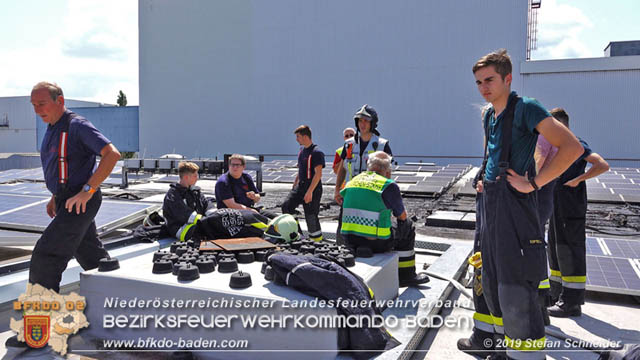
[601,96]
[239,76]
[20,135]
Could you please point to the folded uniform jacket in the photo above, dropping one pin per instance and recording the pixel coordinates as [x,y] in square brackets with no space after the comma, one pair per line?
[150,233]
[328,280]
[231,223]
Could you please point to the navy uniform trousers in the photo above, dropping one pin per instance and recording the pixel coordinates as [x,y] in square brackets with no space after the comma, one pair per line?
[545,203]
[311,210]
[567,248]
[485,326]
[545,210]
[513,265]
[68,235]
[402,241]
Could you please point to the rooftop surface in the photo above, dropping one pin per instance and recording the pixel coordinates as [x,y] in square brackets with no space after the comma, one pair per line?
[607,317]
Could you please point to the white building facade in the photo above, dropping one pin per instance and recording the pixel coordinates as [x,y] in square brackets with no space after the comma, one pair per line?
[18,123]
[601,96]
[239,76]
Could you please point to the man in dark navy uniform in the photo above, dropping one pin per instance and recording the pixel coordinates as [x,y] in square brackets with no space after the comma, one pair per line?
[307,187]
[68,154]
[567,240]
[235,189]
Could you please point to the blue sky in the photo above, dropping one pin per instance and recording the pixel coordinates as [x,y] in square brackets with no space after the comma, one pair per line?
[90,47]
[583,28]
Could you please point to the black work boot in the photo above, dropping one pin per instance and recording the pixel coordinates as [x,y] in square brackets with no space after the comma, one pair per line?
[470,347]
[417,279]
[497,356]
[562,309]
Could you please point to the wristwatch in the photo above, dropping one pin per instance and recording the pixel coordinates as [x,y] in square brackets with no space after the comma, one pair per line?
[89,189]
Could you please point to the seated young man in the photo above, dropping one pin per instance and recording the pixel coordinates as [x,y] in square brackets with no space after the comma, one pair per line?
[236,190]
[369,200]
[184,204]
[190,215]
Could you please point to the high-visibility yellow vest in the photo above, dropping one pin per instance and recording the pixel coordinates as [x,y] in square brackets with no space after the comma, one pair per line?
[364,212]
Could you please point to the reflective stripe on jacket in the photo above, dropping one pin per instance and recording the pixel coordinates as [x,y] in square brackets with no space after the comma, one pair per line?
[364,211]
[353,164]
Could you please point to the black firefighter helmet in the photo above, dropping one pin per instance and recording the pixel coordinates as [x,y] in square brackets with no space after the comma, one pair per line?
[370,114]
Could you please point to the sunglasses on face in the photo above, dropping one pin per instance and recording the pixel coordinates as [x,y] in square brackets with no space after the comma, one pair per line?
[349,136]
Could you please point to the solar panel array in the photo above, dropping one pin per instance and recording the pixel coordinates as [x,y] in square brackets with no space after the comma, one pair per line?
[613,265]
[425,180]
[452,219]
[9,202]
[618,185]
[13,175]
[440,181]
[36,175]
[17,238]
[280,164]
[25,188]
[26,212]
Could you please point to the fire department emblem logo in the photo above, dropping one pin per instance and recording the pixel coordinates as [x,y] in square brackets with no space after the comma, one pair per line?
[36,330]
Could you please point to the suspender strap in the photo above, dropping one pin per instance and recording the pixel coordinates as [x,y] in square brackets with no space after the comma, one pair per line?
[507,126]
[485,155]
[309,167]
[309,162]
[63,165]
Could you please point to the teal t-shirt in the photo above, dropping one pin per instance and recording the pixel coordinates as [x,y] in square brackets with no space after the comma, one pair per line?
[528,114]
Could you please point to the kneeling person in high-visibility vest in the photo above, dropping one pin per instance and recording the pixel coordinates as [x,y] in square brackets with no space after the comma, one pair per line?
[369,200]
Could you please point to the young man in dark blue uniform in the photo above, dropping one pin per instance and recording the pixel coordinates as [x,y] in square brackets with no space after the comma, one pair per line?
[512,246]
[236,189]
[307,187]
[484,326]
[567,248]
[68,152]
